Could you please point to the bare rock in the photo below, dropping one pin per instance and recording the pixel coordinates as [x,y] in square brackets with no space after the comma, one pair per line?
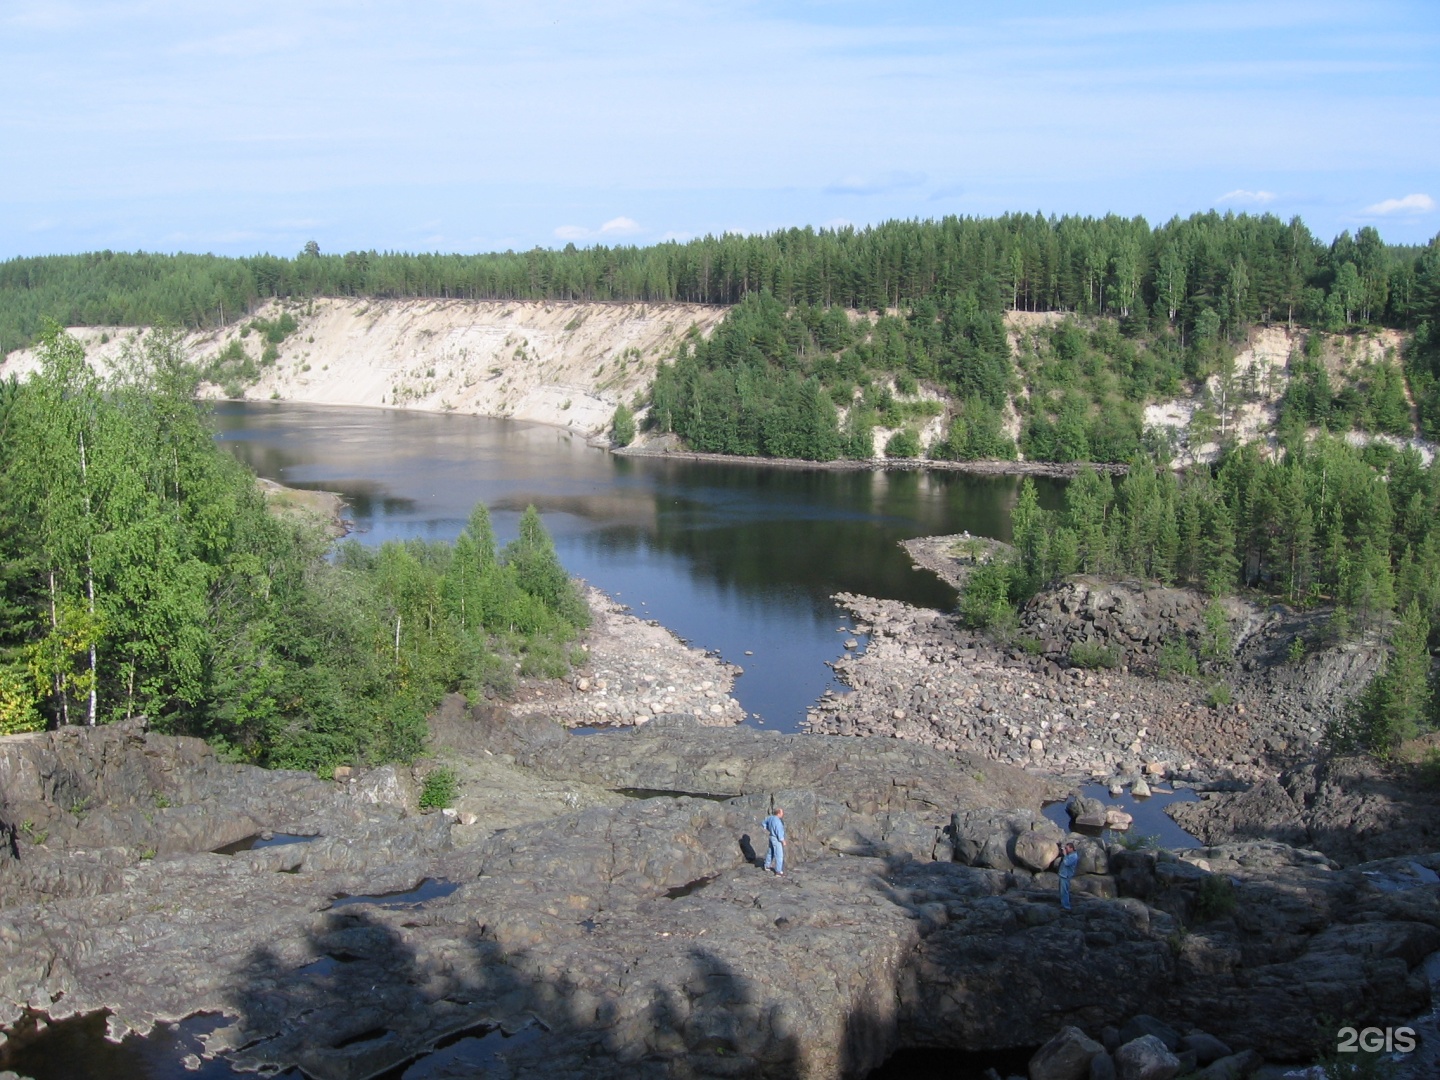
[1146,1058]
[1065,1056]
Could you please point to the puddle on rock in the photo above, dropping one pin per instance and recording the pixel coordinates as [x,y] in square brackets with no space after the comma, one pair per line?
[935,1063]
[429,889]
[262,840]
[466,1054]
[1149,814]
[76,1049]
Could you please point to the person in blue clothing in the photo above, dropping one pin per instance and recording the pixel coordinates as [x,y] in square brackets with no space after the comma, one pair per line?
[1068,861]
[774,825]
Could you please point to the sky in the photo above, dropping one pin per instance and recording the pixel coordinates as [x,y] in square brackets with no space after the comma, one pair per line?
[170,125]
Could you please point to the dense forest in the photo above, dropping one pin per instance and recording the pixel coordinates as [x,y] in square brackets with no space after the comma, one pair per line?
[141,573]
[1175,300]
[1324,522]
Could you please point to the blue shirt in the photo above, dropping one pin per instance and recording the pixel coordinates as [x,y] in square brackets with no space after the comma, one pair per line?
[1068,864]
[775,827]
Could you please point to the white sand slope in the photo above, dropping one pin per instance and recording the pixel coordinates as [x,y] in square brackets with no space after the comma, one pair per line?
[562,364]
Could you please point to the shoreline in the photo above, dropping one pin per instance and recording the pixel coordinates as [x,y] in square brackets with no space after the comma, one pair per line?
[992,467]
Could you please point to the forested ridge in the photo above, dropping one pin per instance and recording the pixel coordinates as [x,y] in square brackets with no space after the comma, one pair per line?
[1156,308]
[141,573]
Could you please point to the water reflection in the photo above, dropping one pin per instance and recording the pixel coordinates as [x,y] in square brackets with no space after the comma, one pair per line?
[736,558]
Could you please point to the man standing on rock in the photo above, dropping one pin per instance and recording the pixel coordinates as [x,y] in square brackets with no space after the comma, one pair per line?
[774,825]
[1068,861]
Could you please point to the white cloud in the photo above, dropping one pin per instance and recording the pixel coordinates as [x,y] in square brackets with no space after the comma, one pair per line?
[1240,195]
[615,227]
[875,185]
[1410,204]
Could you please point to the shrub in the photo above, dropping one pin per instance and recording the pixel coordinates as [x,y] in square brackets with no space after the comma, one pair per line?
[985,597]
[1215,899]
[1176,658]
[17,703]
[1216,643]
[1086,654]
[1219,695]
[439,789]
[622,425]
[1428,769]
[903,444]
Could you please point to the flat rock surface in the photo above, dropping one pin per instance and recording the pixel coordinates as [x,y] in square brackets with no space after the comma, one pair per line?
[629,935]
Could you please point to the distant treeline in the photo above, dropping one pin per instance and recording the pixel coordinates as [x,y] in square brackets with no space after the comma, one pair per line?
[1232,269]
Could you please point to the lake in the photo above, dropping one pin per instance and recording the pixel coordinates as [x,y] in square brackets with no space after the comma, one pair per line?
[736,558]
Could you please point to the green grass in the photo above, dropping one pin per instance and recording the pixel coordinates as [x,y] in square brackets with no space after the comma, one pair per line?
[1087,655]
[439,789]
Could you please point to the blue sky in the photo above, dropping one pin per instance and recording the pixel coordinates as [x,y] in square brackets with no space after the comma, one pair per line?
[473,126]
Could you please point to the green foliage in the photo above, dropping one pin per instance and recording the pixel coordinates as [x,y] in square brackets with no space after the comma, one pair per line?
[1215,898]
[17,703]
[985,598]
[1177,658]
[1216,643]
[975,434]
[141,573]
[232,369]
[1427,770]
[1206,278]
[622,426]
[1295,653]
[1398,703]
[1219,695]
[440,788]
[903,444]
[1132,841]
[1087,654]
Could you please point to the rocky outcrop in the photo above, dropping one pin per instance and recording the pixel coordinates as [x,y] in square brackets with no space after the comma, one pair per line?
[926,679]
[85,808]
[1353,808]
[638,937]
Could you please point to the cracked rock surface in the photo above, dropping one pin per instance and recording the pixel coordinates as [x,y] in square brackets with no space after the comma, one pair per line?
[628,936]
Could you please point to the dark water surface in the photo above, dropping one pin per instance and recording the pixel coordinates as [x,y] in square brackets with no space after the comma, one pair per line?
[1151,820]
[735,558]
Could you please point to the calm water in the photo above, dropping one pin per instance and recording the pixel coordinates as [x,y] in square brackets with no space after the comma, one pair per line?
[734,558]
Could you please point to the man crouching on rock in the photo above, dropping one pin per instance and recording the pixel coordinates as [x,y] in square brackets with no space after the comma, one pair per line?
[774,825]
[1068,862]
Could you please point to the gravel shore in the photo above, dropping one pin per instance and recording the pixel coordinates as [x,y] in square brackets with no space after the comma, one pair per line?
[635,670]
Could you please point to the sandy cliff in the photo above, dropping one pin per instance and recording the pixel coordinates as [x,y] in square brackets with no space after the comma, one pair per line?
[562,364]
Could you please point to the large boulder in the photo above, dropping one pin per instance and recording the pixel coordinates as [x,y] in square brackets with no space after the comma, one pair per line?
[1206,1047]
[1066,1056]
[1085,812]
[1004,839]
[1139,1026]
[1146,1058]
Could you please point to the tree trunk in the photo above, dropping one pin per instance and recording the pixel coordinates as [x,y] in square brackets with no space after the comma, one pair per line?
[89,583]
